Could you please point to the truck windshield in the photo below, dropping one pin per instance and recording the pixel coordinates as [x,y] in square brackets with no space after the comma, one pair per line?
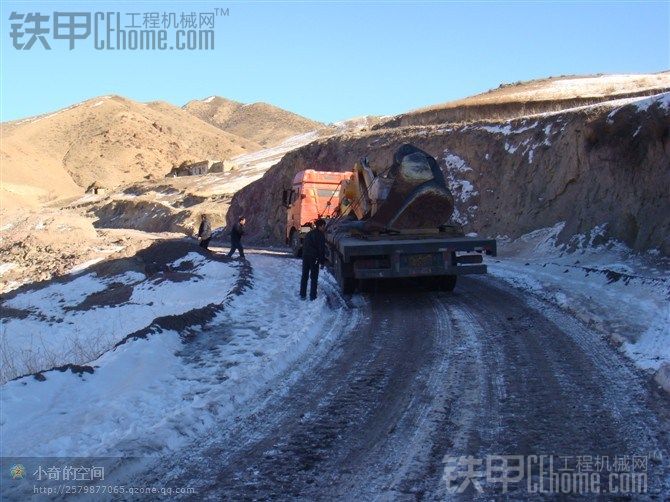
[328,192]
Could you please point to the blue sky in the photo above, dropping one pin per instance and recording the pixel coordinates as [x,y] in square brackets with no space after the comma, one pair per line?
[335,60]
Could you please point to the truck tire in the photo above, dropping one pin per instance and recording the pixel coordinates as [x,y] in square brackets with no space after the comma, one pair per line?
[347,284]
[449,282]
[441,282]
[296,245]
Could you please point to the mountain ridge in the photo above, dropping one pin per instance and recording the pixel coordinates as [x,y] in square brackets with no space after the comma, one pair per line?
[263,123]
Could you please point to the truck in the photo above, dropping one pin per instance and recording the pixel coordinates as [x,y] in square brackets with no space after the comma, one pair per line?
[389,224]
[312,195]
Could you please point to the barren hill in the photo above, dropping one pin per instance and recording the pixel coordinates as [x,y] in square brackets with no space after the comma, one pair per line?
[262,123]
[110,140]
[521,99]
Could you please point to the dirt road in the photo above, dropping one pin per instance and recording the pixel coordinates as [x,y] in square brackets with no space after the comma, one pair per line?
[429,377]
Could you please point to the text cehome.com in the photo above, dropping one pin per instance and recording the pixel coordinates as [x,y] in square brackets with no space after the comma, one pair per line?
[109,35]
[114,30]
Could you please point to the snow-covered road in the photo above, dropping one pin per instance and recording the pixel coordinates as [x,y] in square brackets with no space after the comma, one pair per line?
[259,395]
[427,379]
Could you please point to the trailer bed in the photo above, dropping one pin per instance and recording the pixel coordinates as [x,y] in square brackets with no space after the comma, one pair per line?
[441,256]
[352,246]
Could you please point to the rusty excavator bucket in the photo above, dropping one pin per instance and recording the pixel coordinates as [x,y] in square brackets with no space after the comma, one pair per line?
[416,194]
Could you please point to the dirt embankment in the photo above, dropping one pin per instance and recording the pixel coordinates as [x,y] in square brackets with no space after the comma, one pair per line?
[499,111]
[512,101]
[54,242]
[603,166]
[144,215]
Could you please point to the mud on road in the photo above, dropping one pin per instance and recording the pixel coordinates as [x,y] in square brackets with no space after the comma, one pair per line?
[427,377]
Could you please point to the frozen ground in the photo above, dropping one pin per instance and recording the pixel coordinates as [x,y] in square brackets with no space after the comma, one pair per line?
[426,379]
[74,320]
[251,166]
[215,333]
[258,395]
[620,294]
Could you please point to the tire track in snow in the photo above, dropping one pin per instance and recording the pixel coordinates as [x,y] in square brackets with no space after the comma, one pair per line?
[485,370]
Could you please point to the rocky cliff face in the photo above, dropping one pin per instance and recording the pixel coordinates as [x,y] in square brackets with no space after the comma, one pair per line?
[602,169]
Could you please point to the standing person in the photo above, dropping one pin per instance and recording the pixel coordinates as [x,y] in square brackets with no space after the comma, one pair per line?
[236,237]
[313,255]
[205,232]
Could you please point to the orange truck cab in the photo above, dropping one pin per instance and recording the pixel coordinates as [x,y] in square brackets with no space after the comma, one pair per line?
[313,194]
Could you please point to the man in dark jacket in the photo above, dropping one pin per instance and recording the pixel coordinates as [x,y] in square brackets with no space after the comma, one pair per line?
[236,237]
[313,255]
[205,232]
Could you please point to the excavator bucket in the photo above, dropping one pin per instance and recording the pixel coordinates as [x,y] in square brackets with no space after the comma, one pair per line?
[418,197]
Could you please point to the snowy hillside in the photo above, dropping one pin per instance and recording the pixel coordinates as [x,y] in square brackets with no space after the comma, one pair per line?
[184,344]
[623,295]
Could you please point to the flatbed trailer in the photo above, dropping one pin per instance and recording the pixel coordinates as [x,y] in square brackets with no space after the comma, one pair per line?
[358,257]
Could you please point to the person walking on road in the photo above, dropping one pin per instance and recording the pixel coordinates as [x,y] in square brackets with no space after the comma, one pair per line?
[236,237]
[313,256]
[205,232]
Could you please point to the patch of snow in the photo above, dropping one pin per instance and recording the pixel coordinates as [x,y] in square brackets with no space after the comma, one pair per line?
[510,148]
[505,129]
[663,100]
[56,327]
[642,104]
[209,99]
[55,296]
[354,123]
[87,198]
[9,286]
[48,115]
[252,166]
[455,163]
[84,265]
[662,377]
[496,129]
[547,134]
[607,286]
[461,188]
[156,394]
[467,191]
[6,267]
[194,258]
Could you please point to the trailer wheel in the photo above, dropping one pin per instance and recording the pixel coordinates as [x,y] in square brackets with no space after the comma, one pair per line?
[296,246]
[442,282]
[347,284]
[449,282]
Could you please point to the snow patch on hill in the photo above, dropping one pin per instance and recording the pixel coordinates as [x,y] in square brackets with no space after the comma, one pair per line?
[461,188]
[625,296]
[72,322]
